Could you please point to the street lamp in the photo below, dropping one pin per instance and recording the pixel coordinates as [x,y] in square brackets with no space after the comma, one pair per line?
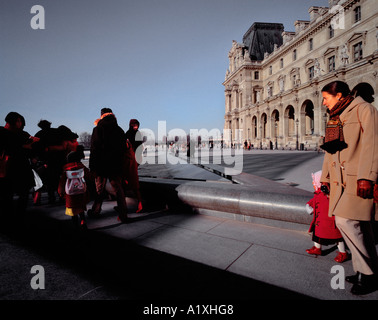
[297,123]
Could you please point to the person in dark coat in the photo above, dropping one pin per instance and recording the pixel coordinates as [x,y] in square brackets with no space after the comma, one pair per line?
[39,161]
[134,137]
[131,176]
[53,147]
[18,177]
[107,157]
[134,150]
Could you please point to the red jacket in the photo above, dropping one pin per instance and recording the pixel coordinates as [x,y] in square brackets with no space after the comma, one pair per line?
[75,201]
[323,226]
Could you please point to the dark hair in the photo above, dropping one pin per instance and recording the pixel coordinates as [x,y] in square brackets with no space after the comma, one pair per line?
[66,133]
[12,117]
[76,156]
[134,122]
[336,87]
[106,110]
[44,124]
[365,91]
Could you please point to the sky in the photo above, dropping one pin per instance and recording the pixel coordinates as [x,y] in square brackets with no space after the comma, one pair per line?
[151,60]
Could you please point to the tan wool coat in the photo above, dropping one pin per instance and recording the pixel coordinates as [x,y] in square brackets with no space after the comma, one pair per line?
[358,161]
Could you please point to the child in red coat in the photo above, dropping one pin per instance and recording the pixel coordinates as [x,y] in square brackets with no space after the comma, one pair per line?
[76,203]
[323,227]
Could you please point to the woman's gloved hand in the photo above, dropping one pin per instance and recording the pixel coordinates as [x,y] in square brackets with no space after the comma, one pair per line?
[365,189]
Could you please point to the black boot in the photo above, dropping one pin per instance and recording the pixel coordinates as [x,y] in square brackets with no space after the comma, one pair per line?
[366,284]
[353,279]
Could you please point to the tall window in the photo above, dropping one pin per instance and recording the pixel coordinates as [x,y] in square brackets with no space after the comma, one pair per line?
[270,70]
[331,64]
[281,63]
[331,32]
[357,51]
[311,72]
[295,54]
[256,75]
[311,44]
[270,91]
[357,14]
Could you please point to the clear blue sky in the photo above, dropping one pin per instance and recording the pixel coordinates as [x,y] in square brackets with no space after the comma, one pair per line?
[153,60]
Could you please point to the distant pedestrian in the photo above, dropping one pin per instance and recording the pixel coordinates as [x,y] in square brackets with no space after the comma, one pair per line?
[131,176]
[134,136]
[107,158]
[73,187]
[134,156]
[323,227]
[350,170]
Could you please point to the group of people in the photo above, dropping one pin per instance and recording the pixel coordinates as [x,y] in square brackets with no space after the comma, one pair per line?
[344,205]
[346,192]
[53,155]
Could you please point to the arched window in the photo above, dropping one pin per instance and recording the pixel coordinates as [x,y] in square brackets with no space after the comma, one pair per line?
[290,124]
[308,107]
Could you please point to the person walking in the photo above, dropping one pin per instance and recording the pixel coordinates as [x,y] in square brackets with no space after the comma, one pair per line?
[17,176]
[106,161]
[73,187]
[350,170]
[323,227]
[134,137]
[53,148]
[134,156]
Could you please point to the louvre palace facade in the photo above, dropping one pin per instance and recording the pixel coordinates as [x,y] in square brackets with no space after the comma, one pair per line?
[274,80]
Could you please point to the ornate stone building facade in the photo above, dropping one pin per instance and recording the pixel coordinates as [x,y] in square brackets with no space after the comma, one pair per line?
[274,98]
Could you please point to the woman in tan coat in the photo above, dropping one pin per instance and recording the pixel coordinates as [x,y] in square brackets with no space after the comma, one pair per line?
[350,171]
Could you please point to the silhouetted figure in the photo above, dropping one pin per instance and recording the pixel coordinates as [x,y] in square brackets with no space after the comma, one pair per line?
[53,147]
[107,158]
[17,177]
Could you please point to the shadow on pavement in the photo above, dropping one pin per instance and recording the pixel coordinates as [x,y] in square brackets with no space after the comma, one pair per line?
[121,268]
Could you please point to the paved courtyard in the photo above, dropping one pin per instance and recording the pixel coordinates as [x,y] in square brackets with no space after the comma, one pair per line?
[171,255]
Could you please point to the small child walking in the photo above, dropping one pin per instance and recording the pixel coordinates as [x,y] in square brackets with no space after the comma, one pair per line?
[323,227]
[73,188]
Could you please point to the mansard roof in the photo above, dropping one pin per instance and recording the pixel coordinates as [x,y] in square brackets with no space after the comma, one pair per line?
[261,37]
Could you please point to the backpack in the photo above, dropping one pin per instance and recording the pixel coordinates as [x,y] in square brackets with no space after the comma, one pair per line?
[75,183]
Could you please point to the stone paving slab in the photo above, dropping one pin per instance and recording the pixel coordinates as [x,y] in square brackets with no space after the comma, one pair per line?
[305,274]
[282,239]
[201,247]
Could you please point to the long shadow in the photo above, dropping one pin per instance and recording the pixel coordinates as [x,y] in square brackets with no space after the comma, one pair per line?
[136,273]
